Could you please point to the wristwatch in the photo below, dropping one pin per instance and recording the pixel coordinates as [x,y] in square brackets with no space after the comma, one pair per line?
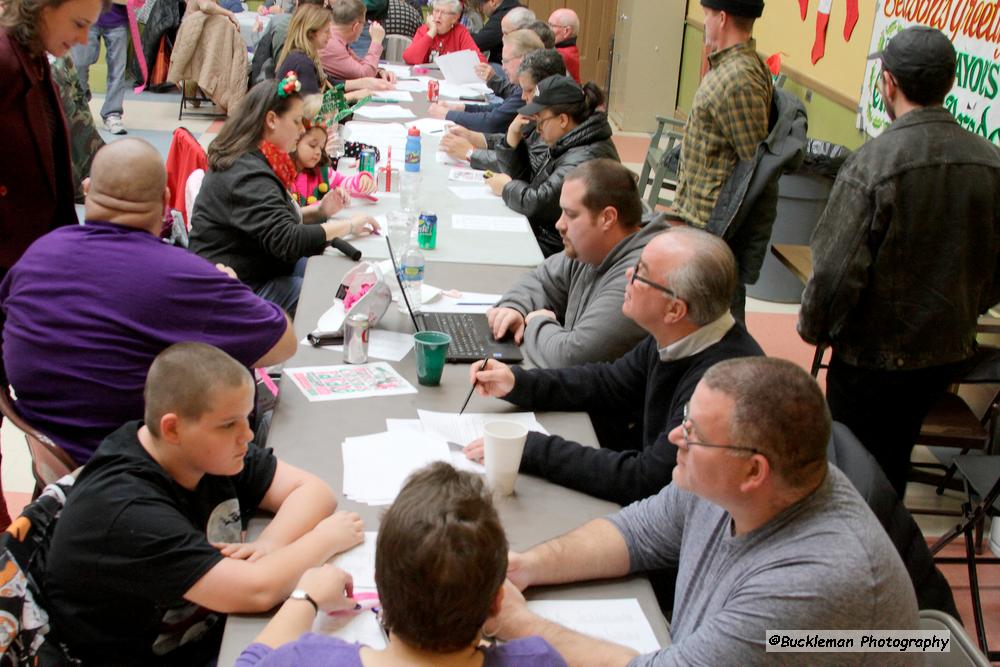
[299,594]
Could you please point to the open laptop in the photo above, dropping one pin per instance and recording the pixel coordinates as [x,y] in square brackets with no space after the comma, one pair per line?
[471,336]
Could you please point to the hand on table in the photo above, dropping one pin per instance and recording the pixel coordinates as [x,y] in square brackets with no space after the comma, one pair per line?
[455,146]
[363,225]
[503,320]
[329,586]
[248,551]
[496,183]
[542,312]
[387,75]
[358,94]
[496,380]
[343,530]
[477,139]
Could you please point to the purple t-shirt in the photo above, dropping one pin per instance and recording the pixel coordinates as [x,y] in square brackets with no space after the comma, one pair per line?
[115,17]
[318,650]
[88,307]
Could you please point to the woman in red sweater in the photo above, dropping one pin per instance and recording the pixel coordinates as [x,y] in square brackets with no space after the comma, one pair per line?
[441,34]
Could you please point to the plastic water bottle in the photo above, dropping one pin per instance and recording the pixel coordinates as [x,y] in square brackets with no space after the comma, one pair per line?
[413,150]
[412,269]
[409,191]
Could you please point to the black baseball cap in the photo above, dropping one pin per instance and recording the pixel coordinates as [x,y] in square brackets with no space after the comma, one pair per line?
[558,89]
[919,55]
[751,9]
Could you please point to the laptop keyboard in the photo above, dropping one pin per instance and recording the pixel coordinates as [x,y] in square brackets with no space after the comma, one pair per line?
[466,339]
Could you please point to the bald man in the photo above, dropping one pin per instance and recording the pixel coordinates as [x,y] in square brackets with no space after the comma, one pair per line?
[88,307]
[566,26]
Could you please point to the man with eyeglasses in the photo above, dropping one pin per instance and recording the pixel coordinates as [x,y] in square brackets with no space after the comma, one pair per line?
[764,533]
[905,256]
[565,26]
[679,292]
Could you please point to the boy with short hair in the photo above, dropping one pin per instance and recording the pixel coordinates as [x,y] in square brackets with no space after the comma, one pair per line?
[147,553]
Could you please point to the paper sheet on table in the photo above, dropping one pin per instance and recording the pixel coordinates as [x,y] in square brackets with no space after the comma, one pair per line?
[418,86]
[334,383]
[455,91]
[430,125]
[386,111]
[490,223]
[463,429]
[376,466]
[464,302]
[362,628]
[459,67]
[381,135]
[620,621]
[359,561]
[398,70]
[392,96]
[382,344]
[443,158]
[467,192]
[458,459]
[466,175]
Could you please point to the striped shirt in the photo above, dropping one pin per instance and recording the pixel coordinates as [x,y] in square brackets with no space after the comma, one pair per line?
[727,122]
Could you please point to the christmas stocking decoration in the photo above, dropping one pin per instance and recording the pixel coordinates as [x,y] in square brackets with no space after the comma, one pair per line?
[803,8]
[851,20]
[822,20]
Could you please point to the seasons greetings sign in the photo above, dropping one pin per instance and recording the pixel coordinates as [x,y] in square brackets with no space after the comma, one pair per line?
[974,28]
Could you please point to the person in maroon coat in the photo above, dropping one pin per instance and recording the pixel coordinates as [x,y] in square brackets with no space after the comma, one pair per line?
[36,177]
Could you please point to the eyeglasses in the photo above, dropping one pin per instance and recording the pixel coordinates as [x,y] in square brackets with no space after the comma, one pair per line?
[539,121]
[647,281]
[688,441]
[444,12]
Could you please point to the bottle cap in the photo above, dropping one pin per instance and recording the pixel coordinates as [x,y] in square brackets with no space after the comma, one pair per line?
[414,132]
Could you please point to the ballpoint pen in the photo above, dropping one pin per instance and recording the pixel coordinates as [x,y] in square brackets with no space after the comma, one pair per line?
[482,367]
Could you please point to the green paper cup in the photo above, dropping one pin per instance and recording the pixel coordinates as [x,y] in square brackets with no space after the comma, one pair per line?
[431,348]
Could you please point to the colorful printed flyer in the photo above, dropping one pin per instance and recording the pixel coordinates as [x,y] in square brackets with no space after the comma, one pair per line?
[335,383]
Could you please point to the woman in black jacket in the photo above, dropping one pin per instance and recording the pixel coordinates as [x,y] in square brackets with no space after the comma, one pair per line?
[245,215]
[565,116]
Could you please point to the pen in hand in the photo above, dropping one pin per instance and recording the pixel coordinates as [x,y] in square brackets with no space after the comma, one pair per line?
[482,367]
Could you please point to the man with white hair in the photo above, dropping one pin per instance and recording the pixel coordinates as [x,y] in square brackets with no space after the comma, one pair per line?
[566,25]
[518,18]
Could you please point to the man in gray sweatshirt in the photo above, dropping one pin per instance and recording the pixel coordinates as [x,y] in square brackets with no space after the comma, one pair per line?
[568,311]
[765,534]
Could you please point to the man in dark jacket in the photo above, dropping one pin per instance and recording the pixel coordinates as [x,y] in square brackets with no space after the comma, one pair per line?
[905,256]
[679,291]
[489,36]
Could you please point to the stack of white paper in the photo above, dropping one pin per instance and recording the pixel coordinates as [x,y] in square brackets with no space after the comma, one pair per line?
[463,429]
[618,621]
[392,96]
[490,223]
[468,192]
[376,466]
[458,459]
[386,111]
[359,561]
[455,91]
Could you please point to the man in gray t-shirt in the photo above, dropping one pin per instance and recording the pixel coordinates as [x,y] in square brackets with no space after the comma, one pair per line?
[766,535]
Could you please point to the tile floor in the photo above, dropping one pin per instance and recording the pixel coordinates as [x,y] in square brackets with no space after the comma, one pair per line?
[154,117]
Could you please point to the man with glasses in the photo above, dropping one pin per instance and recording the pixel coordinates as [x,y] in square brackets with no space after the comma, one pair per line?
[679,292]
[565,25]
[568,310]
[764,533]
[905,256]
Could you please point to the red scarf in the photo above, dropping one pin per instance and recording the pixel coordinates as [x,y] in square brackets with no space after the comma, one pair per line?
[281,162]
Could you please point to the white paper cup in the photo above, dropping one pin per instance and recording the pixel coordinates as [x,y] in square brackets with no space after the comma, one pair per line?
[503,444]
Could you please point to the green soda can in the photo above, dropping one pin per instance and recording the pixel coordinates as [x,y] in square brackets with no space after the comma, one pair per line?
[427,230]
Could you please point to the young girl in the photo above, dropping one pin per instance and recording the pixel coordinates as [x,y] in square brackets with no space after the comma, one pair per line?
[317,171]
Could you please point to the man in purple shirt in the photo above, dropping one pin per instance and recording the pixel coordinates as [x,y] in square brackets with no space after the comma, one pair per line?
[112,25]
[87,307]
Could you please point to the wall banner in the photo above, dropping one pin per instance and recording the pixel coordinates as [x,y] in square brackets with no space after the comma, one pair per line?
[974,28]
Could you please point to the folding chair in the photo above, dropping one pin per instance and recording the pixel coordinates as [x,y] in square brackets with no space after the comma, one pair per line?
[963,651]
[666,140]
[394,47]
[982,480]
[49,461]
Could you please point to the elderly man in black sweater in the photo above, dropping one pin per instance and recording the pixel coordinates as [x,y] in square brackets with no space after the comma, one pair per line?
[679,292]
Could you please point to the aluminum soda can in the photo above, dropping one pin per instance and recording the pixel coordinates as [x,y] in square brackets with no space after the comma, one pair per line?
[427,230]
[356,339]
[366,161]
[433,90]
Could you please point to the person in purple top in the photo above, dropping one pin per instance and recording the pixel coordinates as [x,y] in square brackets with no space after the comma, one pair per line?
[440,563]
[88,307]
[112,25]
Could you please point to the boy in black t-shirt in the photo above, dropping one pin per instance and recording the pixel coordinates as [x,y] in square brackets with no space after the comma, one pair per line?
[148,552]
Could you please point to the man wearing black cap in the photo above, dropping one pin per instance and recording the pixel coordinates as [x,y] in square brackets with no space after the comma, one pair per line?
[730,112]
[905,256]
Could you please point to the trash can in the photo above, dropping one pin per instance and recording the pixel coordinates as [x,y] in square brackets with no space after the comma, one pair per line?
[802,196]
